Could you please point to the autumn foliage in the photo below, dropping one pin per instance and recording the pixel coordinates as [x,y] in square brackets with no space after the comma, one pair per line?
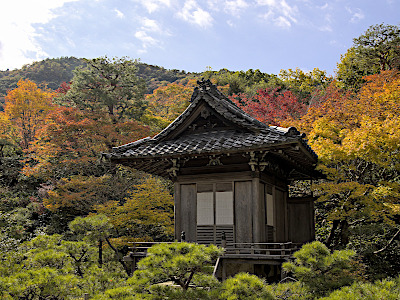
[75,138]
[148,207]
[25,110]
[51,144]
[271,106]
[356,137]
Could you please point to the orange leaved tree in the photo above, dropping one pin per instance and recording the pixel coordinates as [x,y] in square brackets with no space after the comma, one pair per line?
[356,137]
[26,108]
[72,140]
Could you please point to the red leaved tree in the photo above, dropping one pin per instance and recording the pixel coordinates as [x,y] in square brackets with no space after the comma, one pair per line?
[272,106]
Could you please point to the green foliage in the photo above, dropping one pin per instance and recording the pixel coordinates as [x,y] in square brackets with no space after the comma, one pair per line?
[303,83]
[322,271]
[109,85]
[92,228]
[244,286]
[351,69]
[48,266]
[95,229]
[291,291]
[124,292]
[39,284]
[385,289]
[248,82]
[181,263]
[156,77]
[368,240]
[146,213]
[380,42]
[376,50]
[51,72]
[56,71]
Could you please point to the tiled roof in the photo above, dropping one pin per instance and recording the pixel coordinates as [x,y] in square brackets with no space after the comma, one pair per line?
[220,103]
[205,142]
[247,134]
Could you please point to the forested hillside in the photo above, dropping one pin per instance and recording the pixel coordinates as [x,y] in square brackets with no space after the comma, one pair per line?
[67,215]
[52,72]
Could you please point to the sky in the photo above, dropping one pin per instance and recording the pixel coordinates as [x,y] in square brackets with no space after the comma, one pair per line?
[190,35]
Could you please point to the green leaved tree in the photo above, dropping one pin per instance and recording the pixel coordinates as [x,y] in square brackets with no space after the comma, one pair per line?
[378,49]
[109,85]
[322,271]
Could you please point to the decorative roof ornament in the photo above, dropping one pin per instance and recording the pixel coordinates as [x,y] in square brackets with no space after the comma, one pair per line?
[204,86]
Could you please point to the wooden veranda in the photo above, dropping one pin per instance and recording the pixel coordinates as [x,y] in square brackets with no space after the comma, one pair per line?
[269,254]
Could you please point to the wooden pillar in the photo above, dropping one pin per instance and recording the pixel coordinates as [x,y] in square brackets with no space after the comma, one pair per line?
[256,210]
[285,198]
[177,211]
[188,215]
[243,212]
[312,214]
[223,271]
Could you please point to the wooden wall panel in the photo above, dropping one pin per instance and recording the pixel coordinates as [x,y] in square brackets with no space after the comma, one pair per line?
[301,220]
[258,220]
[188,211]
[280,215]
[177,211]
[243,212]
[262,213]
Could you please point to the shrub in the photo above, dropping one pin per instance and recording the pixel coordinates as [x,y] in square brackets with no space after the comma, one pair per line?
[385,289]
[244,286]
[321,271]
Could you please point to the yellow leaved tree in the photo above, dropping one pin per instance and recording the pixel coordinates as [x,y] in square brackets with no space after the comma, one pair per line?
[146,214]
[357,138]
[25,110]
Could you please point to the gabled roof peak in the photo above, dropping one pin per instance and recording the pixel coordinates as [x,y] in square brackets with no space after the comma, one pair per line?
[206,86]
[207,100]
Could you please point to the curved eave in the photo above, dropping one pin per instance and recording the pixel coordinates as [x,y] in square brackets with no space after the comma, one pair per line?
[291,152]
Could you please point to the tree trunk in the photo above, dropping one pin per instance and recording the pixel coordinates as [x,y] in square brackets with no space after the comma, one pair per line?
[331,236]
[120,258]
[344,233]
[100,253]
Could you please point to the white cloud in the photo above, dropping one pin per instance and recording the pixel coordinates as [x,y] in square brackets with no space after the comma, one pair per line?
[235,7]
[193,13]
[150,25]
[266,2]
[326,28]
[356,15]
[119,13]
[145,38]
[153,5]
[325,6]
[214,4]
[280,13]
[230,23]
[146,33]
[282,22]
[18,38]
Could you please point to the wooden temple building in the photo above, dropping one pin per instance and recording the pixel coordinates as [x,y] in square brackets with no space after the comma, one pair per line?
[231,175]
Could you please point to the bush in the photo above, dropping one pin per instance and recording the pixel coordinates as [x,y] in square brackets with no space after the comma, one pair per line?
[185,265]
[385,289]
[321,271]
[291,291]
[244,286]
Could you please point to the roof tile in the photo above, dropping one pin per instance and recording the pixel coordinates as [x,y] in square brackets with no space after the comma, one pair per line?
[250,133]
